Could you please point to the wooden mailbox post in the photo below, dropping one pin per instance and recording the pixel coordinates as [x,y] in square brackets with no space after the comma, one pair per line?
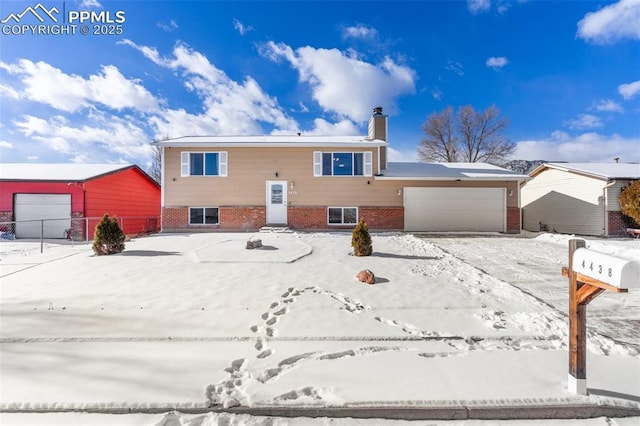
[590,273]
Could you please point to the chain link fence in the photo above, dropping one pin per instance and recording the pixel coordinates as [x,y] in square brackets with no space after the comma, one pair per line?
[80,229]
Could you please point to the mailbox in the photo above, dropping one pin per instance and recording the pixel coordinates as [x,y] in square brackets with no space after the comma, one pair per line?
[616,271]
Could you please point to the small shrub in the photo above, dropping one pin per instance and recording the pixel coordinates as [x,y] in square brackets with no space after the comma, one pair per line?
[361,240]
[630,204]
[108,237]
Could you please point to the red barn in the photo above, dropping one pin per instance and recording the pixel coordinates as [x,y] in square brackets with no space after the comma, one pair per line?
[71,198]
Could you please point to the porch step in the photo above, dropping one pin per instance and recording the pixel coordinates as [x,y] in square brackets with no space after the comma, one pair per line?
[275,228]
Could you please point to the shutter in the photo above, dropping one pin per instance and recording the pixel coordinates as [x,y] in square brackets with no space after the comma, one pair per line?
[184,164]
[222,166]
[368,163]
[317,163]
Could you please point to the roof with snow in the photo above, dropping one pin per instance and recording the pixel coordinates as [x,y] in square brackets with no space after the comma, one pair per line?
[597,170]
[448,171]
[270,141]
[57,171]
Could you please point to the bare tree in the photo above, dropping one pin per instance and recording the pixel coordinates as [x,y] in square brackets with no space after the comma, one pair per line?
[471,136]
[155,168]
[440,142]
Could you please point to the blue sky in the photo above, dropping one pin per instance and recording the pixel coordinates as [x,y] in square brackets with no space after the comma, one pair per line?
[565,73]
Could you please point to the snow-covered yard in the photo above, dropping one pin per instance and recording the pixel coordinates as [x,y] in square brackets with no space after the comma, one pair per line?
[188,321]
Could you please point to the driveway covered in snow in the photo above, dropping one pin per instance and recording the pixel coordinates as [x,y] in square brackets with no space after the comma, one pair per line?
[533,264]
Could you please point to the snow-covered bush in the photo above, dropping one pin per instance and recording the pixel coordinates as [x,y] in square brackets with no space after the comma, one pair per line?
[108,237]
[630,204]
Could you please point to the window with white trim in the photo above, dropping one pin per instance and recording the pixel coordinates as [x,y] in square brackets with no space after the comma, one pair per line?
[342,163]
[203,163]
[342,215]
[204,216]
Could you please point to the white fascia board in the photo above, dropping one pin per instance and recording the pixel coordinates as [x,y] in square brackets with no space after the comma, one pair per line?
[452,179]
[372,144]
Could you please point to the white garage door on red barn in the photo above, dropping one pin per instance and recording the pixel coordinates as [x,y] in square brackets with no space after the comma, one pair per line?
[30,209]
[455,209]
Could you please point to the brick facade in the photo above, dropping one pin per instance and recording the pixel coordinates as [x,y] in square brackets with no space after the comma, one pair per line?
[299,217]
[78,226]
[617,227]
[389,218]
[307,217]
[513,220]
[242,217]
[6,216]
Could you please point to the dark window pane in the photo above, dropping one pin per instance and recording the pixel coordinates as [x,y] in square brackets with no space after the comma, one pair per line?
[342,164]
[196,166]
[326,164]
[211,216]
[196,216]
[335,215]
[350,215]
[358,164]
[276,193]
[211,164]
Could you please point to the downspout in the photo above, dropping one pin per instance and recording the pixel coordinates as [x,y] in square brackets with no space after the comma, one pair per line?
[604,206]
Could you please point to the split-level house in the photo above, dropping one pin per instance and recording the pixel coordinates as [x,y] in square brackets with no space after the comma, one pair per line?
[328,182]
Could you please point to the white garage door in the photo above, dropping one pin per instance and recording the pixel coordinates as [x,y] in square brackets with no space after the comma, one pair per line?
[31,208]
[455,209]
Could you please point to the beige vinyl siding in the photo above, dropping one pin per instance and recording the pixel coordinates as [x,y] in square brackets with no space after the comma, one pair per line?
[248,170]
[565,202]
[613,193]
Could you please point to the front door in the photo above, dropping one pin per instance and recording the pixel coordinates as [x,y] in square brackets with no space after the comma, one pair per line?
[276,202]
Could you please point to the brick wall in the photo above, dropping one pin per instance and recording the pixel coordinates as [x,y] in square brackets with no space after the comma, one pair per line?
[175,218]
[78,227]
[390,218]
[307,217]
[617,227]
[242,217]
[6,216]
[513,220]
[230,218]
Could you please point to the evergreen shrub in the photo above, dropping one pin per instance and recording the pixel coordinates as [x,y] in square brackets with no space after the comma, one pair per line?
[108,237]
[361,240]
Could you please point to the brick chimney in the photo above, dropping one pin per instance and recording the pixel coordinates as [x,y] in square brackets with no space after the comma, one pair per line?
[378,125]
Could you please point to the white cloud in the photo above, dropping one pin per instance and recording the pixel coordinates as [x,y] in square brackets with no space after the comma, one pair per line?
[343,84]
[629,90]
[230,107]
[398,156]
[8,92]
[170,26]
[90,4]
[49,85]
[360,31]
[607,105]
[584,122]
[33,157]
[478,6]
[586,147]
[5,144]
[612,23]
[120,135]
[436,93]
[241,28]
[455,67]
[497,62]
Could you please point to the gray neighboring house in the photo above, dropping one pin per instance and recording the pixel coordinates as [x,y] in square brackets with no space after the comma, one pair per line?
[576,198]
